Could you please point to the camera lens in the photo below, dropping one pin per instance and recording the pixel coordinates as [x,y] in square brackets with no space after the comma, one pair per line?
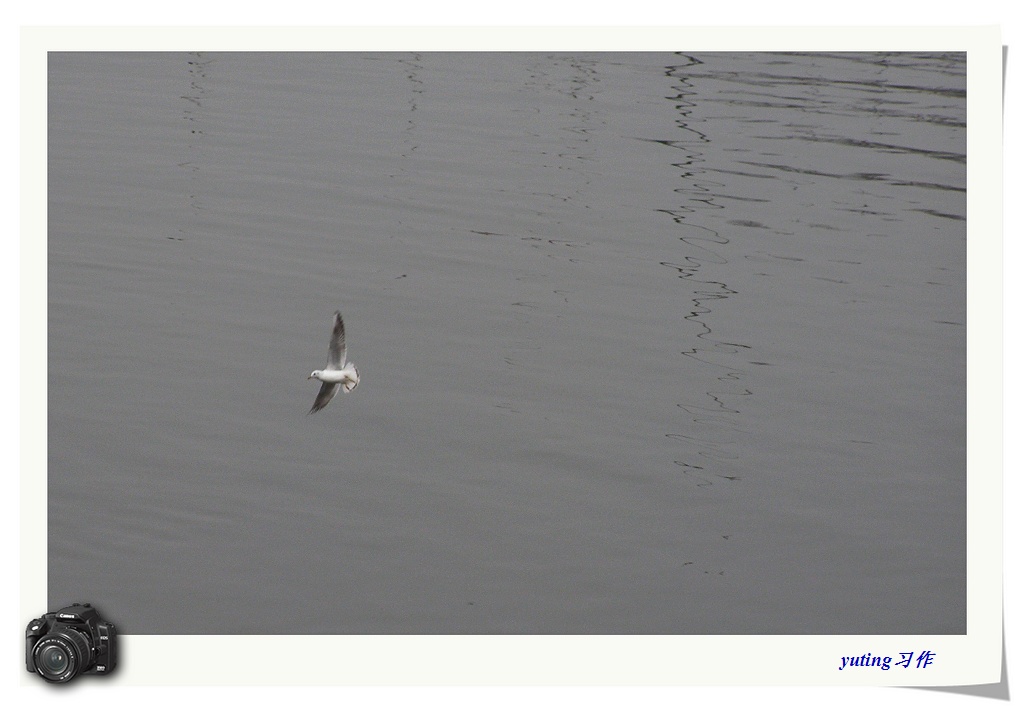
[53,661]
[60,656]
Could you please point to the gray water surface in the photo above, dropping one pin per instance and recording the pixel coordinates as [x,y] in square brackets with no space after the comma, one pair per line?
[649,343]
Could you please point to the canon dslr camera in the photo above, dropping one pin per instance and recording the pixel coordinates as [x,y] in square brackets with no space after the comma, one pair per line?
[73,641]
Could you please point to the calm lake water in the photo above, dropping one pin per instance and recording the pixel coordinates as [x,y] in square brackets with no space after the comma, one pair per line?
[649,343]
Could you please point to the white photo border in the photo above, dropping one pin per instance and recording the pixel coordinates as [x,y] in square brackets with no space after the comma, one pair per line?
[974,658]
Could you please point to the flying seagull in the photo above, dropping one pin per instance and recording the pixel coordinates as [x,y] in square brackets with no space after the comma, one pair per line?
[338,373]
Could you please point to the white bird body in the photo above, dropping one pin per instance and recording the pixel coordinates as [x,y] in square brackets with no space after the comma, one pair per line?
[349,373]
[339,372]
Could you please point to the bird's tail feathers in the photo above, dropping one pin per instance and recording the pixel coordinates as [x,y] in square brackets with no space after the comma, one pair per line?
[350,385]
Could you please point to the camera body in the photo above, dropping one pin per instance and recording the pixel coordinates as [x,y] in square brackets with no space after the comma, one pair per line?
[71,641]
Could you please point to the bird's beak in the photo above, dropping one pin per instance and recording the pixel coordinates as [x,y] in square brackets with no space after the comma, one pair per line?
[308,377]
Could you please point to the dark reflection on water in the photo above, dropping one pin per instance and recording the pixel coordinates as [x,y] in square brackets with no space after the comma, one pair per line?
[712,427]
[198,69]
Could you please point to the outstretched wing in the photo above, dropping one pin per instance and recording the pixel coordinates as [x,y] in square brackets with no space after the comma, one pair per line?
[327,391]
[336,350]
